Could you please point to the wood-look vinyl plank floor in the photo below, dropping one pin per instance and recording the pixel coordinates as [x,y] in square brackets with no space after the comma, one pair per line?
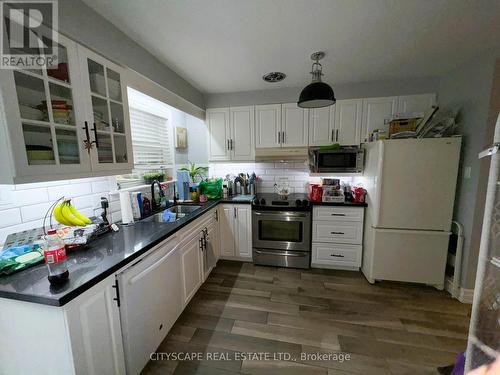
[386,329]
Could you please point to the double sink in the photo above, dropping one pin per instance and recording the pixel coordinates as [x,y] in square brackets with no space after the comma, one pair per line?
[180,211]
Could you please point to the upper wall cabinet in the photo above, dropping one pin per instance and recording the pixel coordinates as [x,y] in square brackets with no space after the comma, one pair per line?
[242,124]
[294,125]
[322,126]
[268,126]
[107,113]
[219,140]
[281,125]
[376,114]
[348,122]
[232,133]
[64,122]
[418,104]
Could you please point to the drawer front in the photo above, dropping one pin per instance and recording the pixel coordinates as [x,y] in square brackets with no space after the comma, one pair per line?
[338,232]
[336,254]
[335,213]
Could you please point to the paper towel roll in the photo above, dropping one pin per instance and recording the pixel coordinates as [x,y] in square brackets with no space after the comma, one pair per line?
[126,207]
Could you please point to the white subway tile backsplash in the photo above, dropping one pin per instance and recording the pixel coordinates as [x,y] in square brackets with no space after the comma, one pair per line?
[25,197]
[10,217]
[24,206]
[35,211]
[69,191]
[100,186]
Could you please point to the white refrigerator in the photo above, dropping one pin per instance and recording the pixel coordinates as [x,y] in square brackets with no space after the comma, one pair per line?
[411,190]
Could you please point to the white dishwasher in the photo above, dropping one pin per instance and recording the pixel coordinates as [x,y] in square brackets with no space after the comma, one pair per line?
[150,303]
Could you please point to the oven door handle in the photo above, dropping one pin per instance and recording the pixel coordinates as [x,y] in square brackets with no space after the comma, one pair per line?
[279,213]
[283,253]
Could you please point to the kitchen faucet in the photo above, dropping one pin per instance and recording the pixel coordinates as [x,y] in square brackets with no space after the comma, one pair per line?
[155,205]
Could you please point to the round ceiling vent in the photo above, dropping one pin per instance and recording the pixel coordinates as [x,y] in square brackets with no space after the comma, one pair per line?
[274,77]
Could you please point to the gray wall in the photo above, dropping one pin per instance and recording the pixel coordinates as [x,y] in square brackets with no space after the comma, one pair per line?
[82,24]
[468,88]
[197,133]
[342,91]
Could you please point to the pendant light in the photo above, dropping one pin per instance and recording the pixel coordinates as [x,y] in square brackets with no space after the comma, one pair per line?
[317,94]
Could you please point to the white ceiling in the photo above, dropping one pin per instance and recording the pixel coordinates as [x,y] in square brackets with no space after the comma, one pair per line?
[227,45]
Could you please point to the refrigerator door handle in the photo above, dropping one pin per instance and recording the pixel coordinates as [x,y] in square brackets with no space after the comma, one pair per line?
[492,150]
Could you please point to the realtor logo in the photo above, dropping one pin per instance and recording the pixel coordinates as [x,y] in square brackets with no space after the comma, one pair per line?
[28,34]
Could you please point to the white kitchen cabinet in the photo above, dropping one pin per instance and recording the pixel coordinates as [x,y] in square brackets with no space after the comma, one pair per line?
[243,228]
[95,331]
[232,133]
[48,123]
[294,125]
[242,138]
[150,288]
[236,231]
[226,230]
[418,104]
[377,112]
[337,237]
[107,113]
[322,126]
[219,131]
[210,253]
[348,122]
[268,126]
[191,266]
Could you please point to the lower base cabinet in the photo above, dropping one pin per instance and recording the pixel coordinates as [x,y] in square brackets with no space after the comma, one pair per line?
[191,263]
[113,327]
[236,231]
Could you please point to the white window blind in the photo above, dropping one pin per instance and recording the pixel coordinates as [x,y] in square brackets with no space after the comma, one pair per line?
[151,140]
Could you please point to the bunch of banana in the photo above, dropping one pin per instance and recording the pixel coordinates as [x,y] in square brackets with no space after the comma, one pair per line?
[68,215]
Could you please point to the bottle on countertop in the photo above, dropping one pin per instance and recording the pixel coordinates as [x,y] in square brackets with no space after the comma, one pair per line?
[54,252]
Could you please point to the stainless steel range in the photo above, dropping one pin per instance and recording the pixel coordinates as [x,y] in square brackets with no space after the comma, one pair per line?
[281,230]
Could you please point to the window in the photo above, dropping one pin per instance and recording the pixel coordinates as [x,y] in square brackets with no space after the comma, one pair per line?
[151,132]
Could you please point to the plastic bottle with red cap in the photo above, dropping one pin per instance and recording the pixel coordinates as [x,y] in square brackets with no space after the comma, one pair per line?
[54,253]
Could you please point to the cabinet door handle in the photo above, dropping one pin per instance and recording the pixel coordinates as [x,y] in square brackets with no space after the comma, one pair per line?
[86,142]
[337,232]
[232,146]
[117,288]
[95,136]
[338,214]
[336,255]
[228,145]
[201,244]
[284,137]
[337,135]
[216,215]
[234,208]
[279,137]
[332,135]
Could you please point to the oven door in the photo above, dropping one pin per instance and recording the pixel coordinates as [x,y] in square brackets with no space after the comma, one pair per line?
[285,230]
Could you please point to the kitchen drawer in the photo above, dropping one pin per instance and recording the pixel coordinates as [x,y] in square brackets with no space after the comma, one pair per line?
[338,232]
[334,254]
[336,213]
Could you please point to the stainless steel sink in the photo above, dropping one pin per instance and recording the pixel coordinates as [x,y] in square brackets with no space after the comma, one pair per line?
[183,209]
[180,211]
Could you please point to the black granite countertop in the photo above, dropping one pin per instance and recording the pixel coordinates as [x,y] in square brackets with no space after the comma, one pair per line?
[347,204]
[101,258]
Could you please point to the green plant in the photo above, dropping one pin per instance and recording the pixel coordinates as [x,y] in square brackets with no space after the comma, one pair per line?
[151,176]
[194,171]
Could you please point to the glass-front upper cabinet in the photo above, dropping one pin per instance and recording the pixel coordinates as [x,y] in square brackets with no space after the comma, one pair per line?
[107,109]
[67,121]
[44,112]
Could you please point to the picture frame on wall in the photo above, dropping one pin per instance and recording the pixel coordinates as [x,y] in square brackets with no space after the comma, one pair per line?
[180,137]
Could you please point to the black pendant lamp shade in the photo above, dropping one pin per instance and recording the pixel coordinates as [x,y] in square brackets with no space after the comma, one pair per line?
[317,94]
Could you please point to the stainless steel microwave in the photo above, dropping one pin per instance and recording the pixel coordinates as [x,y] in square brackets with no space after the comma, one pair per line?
[343,160]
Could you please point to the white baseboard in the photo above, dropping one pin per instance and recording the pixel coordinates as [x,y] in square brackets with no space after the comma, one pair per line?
[466,295]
